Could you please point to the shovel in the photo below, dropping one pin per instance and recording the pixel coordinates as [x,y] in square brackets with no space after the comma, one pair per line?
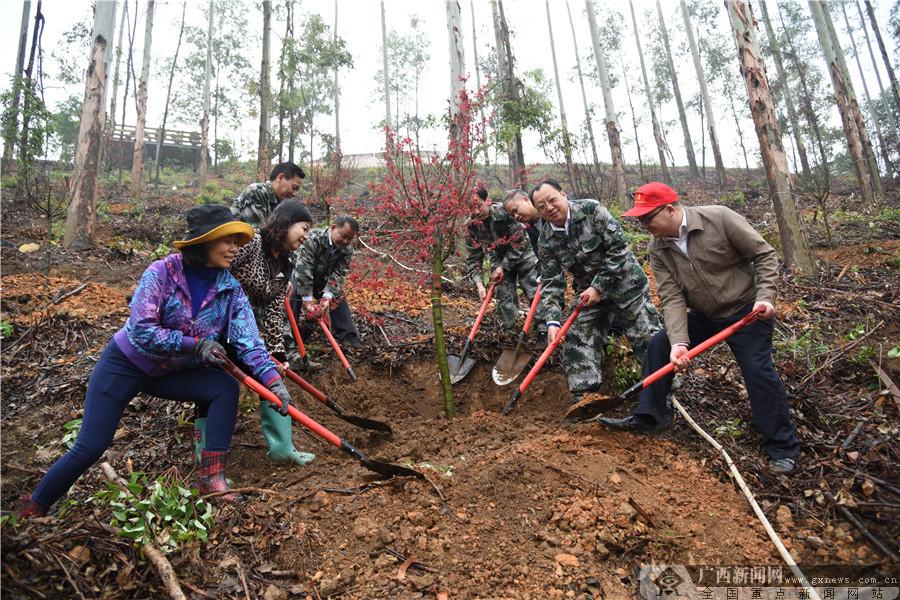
[511,362]
[460,366]
[293,321]
[596,404]
[384,469]
[334,406]
[337,347]
[545,355]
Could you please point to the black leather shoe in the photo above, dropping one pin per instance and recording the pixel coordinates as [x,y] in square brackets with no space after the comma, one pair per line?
[353,343]
[636,423]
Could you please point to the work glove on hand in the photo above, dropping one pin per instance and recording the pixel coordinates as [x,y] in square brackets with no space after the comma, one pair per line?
[311,310]
[211,353]
[277,387]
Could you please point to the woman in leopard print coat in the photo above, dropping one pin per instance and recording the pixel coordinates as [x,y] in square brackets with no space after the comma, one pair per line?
[263,268]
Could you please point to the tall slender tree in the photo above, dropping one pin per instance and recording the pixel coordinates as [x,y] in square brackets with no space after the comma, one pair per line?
[612,127]
[634,119]
[108,132]
[704,93]
[387,74]
[129,77]
[81,216]
[161,139]
[793,238]
[862,22]
[676,90]
[587,107]
[873,116]
[657,132]
[12,114]
[337,89]
[511,89]
[484,147]
[786,89]
[204,119]
[851,118]
[567,144]
[892,76]
[137,164]
[264,147]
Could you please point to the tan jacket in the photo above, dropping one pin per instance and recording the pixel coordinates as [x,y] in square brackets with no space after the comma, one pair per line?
[730,265]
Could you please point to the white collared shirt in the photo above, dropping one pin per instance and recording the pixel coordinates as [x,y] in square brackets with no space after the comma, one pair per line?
[568,219]
[681,240]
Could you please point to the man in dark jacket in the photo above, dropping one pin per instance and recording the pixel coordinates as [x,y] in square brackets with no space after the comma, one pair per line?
[711,269]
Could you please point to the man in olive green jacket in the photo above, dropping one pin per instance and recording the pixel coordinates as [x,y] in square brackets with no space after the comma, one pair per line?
[711,269]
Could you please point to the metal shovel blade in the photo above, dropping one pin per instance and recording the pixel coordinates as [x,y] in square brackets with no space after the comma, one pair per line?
[389,470]
[458,371]
[365,423]
[509,366]
[591,406]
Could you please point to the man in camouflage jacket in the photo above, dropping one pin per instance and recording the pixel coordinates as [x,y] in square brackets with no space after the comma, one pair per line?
[258,200]
[582,238]
[321,266]
[492,233]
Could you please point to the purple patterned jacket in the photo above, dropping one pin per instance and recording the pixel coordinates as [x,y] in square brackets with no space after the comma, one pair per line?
[161,332]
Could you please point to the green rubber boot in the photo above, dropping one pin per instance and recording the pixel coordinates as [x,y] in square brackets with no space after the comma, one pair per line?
[277,431]
[199,437]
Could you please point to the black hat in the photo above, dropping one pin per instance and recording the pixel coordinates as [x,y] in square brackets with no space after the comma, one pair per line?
[209,222]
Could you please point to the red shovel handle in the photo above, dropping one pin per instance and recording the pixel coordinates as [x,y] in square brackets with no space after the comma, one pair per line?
[268,396]
[703,346]
[484,305]
[532,310]
[334,343]
[293,321]
[545,355]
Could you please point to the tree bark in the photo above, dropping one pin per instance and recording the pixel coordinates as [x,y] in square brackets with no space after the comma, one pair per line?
[612,128]
[862,23]
[762,108]
[710,115]
[162,129]
[26,100]
[137,165]
[676,91]
[895,88]
[786,86]
[657,132]
[79,231]
[108,133]
[512,90]
[846,102]
[263,150]
[384,64]
[437,318]
[204,120]
[862,76]
[12,115]
[587,110]
[567,144]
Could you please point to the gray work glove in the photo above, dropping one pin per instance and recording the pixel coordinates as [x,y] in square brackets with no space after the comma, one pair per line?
[211,353]
[278,388]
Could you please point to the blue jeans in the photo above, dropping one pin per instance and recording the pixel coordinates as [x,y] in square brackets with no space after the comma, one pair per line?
[752,348]
[113,383]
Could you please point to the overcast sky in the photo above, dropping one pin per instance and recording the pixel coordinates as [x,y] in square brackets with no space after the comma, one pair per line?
[359,24]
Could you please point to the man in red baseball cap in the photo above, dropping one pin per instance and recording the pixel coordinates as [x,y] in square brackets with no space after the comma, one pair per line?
[711,269]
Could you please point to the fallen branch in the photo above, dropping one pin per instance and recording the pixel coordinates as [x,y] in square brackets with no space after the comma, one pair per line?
[59,297]
[241,490]
[400,264]
[412,564]
[862,528]
[151,553]
[887,380]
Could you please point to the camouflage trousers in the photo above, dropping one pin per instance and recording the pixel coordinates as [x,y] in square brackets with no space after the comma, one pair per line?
[585,341]
[524,276]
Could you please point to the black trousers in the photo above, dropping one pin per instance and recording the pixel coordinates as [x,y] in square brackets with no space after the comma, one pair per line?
[342,326]
[752,348]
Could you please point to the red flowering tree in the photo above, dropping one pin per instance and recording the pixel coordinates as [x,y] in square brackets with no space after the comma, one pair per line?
[429,197]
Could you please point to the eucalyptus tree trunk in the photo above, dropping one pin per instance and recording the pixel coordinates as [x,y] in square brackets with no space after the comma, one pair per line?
[587,111]
[108,132]
[846,103]
[484,147]
[634,123]
[512,91]
[786,86]
[657,132]
[384,64]
[204,120]
[81,218]
[337,90]
[24,165]
[612,129]
[162,129]
[12,115]
[567,144]
[895,88]
[704,93]
[862,76]
[129,77]
[862,22]
[137,164]
[283,76]
[762,107]
[676,91]
[263,151]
